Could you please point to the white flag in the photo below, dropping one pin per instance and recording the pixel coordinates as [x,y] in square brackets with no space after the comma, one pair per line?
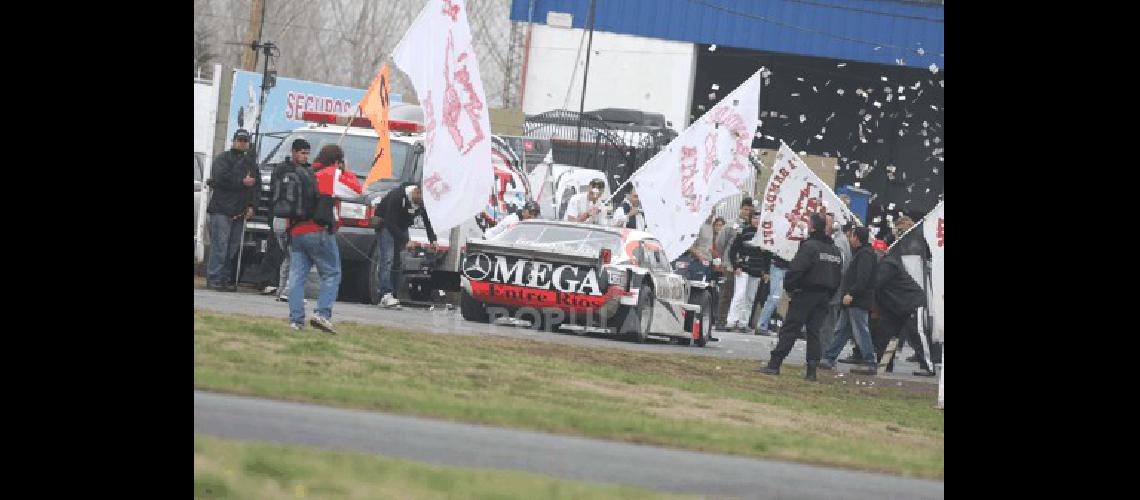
[794,192]
[437,55]
[705,164]
[932,231]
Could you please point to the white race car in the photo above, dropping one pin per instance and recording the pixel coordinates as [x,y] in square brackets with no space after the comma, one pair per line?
[559,273]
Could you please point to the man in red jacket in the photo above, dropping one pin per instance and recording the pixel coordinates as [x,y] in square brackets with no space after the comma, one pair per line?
[314,240]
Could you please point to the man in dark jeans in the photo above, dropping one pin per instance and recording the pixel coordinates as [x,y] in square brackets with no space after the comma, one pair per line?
[812,278]
[234,185]
[395,214]
[854,314]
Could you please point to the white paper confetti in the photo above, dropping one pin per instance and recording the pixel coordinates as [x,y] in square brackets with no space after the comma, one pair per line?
[884,78]
[878,104]
[797,94]
[803,118]
[921,51]
[837,91]
[902,97]
[712,48]
[714,87]
[712,96]
[813,89]
[820,137]
[799,78]
[840,65]
[933,68]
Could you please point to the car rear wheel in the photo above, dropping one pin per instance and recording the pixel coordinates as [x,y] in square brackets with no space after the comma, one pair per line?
[471,309]
[642,315]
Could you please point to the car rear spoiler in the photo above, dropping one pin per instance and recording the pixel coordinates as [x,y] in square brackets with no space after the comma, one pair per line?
[531,253]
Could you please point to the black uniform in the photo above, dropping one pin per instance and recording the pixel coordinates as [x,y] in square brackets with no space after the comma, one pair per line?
[812,279]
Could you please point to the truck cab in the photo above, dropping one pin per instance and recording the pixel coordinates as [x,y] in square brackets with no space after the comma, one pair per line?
[356,238]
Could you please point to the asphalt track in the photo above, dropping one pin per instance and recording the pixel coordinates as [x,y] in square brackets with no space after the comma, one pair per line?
[444,321]
[575,458]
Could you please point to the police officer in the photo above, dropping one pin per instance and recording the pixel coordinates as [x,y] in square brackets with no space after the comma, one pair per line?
[813,276]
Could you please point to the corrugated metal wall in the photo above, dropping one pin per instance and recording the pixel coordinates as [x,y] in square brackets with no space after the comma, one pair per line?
[840,29]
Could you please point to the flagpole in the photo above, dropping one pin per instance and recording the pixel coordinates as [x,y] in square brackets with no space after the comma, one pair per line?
[347,124]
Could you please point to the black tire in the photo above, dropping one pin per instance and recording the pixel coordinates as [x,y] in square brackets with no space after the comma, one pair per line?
[471,309]
[368,285]
[640,321]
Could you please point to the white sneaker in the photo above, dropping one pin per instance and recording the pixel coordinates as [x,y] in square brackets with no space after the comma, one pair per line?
[322,324]
[389,301]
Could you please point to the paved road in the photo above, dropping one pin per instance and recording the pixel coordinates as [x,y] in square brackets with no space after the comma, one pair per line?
[469,445]
[731,345]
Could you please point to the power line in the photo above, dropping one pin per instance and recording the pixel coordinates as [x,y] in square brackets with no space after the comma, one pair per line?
[867,11]
[801,28]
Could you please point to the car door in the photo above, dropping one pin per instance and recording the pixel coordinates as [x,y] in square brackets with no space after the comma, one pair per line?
[668,316]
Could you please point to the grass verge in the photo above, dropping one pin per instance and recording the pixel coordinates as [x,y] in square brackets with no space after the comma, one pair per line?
[241,469]
[684,401]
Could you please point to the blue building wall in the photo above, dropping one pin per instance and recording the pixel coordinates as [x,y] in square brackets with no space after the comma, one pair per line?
[856,27]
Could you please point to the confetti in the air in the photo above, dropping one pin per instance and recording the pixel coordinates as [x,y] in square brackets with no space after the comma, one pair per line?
[712,48]
[837,91]
[803,118]
[884,78]
[712,95]
[878,104]
[813,89]
[902,97]
[840,65]
[797,94]
[800,78]
[933,68]
[714,87]
[921,51]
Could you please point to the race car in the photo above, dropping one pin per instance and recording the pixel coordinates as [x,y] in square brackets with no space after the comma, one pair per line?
[561,273]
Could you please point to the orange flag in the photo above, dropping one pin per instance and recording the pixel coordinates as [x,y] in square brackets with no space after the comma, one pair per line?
[375,107]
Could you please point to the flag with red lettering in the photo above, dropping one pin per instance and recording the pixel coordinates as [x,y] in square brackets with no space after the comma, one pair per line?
[375,106]
[793,193]
[438,57]
[932,231]
[682,184]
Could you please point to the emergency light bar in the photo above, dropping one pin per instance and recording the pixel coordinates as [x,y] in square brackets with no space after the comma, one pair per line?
[358,121]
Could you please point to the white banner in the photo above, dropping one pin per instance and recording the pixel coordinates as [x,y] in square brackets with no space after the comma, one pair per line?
[932,231]
[437,55]
[682,184]
[794,192]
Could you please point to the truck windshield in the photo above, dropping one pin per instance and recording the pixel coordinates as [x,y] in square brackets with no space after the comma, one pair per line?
[358,150]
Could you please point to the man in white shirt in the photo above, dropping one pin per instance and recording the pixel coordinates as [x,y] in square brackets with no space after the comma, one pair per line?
[629,214]
[583,207]
[529,211]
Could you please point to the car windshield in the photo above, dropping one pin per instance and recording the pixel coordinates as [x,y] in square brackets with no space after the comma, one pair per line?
[358,150]
[580,240]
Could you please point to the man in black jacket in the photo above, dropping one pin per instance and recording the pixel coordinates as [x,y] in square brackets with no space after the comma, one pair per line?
[813,276]
[234,185]
[298,159]
[854,314]
[396,213]
[898,297]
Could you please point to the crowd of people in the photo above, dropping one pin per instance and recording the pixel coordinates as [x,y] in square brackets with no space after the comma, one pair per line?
[843,285]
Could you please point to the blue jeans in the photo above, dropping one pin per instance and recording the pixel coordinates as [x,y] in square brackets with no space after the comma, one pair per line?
[318,249]
[857,319]
[225,239]
[385,253]
[775,288]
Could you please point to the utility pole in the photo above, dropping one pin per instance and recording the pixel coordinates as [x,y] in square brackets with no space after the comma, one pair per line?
[253,34]
[585,78]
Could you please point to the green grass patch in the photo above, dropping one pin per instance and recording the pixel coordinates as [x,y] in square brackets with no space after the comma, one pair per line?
[684,401]
[240,469]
